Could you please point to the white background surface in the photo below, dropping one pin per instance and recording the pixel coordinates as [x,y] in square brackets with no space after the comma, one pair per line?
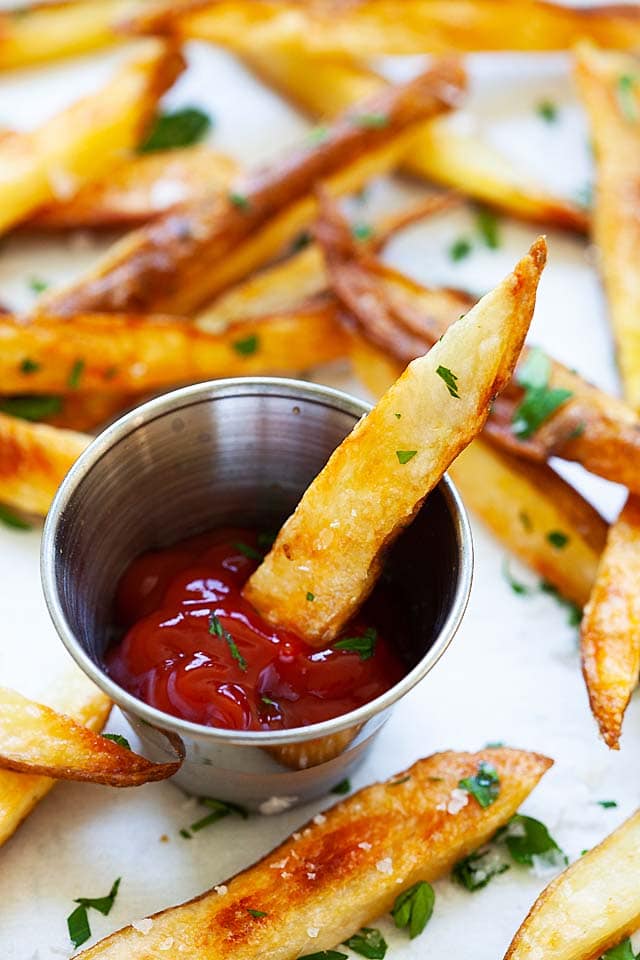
[512,674]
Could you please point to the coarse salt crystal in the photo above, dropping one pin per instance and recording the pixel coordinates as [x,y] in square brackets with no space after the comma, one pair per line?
[296,836]
[313,932]
[311,876]
[385,865]
[285,875]
[280,865]
[364,845]
[143,926]
[319,819]
[459,799]
[221,889]
[276,805]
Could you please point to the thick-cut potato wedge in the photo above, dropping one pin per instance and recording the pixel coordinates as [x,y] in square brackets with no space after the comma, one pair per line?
[441,152]
[589,908]
[34,459]
[610,631]
[142,188]
[376,480]
[86,411]
[129,354]
[87,140]
[180,261]
[77,697]
[342,870]
[34,739]
[48,31]
[519,501]
[373,27]
[609,85]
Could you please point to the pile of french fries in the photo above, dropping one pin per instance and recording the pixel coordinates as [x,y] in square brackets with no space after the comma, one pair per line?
[243,272]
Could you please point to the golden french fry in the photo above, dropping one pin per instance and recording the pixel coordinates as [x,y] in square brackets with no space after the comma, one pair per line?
[34,459]
[86,411]
[442,152]
[76,696]
[379,476]
[373,27]
[142,188]
[589,908]
[34,739]
[609,84]
[87,140]
[342,870]
[610,631]
[180,261]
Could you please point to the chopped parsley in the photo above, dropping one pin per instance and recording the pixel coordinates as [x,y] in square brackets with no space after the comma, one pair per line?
[268,702]
[78,921]
[519,588]
[626,97]
[460,249]
[364,645]
[31,407]
[525,520]
[450,380]
[557,539]
[396,783]
[239,200]
[413,908]
[219,809]
[257,914]
[10,519]
[397,415]
[75,374]
[405,455]
[310,596]
[573,610]
[180,128]
[318,135]
[577,431]
[547,111]
[607,804]
[343,787]
[301,241]
[246,346]
[362,231]
[325,955]
[217,630]
[247,550]
[266,539]
[369,943]
[37,284]
[476,870]
[371,121]
[28,366]
[624,951]
[487,227]
[117,738]
[483,785]
[540,401]
[529,843]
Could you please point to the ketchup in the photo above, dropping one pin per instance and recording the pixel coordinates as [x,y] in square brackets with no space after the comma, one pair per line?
[193,647]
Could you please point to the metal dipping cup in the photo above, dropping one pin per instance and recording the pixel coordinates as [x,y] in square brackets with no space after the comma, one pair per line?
[242,452]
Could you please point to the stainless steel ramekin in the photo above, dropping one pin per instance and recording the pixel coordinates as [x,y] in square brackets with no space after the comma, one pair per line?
[237,451]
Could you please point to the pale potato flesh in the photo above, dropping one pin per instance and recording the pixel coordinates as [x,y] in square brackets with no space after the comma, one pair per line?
[333,545]
[589,908]
[342,870]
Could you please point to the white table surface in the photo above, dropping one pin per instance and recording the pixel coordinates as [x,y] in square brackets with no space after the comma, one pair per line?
[512,674]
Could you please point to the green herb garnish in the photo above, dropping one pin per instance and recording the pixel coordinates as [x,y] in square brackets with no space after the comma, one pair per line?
[574,613]
[488,228]
[75,374]
[219,809]
[318,135]
[557,539]
[369,943]
[450,380]
[28,366]
[324,955]
[266,539]
[413,908]
[10,519]
[117,738]
[547,110]
[180,128]
[460,249]
[362,231]
[626,96]
[540,401]
[78,921]
[301,241]
[483,785]
[217,630]
[247,550]
[239,200]
[257,913]
[364,645]
[529,842]
[519,588]
[343,787]
[476,870]
[405,455]
[525,520]
[607,804]
[247,345]
[268,702]
[624,951]
[396,783]
[37,284]
[310,596]
[31,407]
[371,121]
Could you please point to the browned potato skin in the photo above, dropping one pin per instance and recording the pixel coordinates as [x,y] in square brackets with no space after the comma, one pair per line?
[407,822]
[142,188]
[34,459]
[373,27]
[180,261]
[610,632]
[34,739]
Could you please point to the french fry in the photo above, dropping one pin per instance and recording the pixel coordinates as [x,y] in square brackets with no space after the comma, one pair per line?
[77,697]
[519,501]
[86,411]
[379,476]
[373,27]
[132,354]
[442,153]
[610,631]
[608,84]
[589,908]
[85,141]
[34,459]
[142,188]
[182,260]
[35,739]
[342,870]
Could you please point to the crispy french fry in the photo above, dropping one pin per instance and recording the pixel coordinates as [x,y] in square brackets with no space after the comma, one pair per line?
[85,141]
[589,908]
[179,262]
[610,631]
[35,739]
[441,152]
[34,459]
[343,870]
[131,354]
[77,697]
[379,476]
[142,188]
[373,27]
[86,411]
[520,502]
[608,84]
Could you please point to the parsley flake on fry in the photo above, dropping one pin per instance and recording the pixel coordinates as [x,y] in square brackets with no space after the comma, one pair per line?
[369,943]
[217,630]
[450,380]
[483,785]
[413,908]
[405,455]
[364,645]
